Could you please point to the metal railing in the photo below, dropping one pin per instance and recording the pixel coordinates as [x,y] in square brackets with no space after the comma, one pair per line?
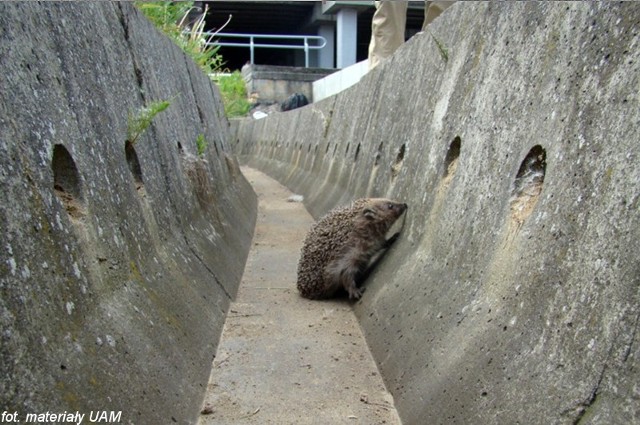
[217,39]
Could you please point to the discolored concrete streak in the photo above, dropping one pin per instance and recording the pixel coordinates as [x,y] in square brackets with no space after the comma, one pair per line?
[283,359]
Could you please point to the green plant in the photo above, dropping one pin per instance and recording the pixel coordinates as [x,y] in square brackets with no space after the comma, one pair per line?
[199,47]
[441,47]
[169,17]
[234,94]
[141,120]
[201,144]
[165,15]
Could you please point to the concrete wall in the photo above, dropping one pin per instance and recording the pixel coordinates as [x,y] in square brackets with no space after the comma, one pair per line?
[511,130]
[118,260]
[339,80]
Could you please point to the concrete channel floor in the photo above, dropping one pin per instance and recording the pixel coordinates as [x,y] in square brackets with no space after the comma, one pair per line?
[283,359]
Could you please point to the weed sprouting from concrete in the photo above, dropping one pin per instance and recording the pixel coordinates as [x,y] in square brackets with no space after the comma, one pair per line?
[201,145]
[195,167]
[441,48]
[141,120]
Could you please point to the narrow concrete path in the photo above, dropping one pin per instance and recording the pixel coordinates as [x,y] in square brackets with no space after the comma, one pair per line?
[283,359]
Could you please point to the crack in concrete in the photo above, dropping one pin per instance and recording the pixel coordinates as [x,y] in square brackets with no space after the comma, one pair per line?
[195,254]
[627,350]
[584,407]
[130,49]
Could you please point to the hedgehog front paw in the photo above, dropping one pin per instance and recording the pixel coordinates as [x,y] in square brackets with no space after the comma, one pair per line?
[355,293]
[391,240]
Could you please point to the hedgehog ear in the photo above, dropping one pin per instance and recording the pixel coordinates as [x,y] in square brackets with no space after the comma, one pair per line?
[369,213]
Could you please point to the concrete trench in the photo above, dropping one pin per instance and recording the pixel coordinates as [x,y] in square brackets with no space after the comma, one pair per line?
[512,295]
[283,359]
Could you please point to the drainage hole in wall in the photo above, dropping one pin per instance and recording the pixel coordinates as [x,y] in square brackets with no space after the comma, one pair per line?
[355,157]
[528,184]
[134,166]
[397,164]
[451,160]
[66,182]
[378,155]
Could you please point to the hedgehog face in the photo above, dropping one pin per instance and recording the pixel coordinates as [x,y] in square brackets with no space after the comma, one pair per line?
[377,217]
[384,210]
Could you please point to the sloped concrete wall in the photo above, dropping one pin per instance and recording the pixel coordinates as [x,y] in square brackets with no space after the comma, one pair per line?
[118,260]
[511,130]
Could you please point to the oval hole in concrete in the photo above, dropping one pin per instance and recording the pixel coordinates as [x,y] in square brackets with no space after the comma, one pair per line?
[397,164]
[527,185]
[134,165]
[66,182]
[378,155]
[355,157]
[451,160]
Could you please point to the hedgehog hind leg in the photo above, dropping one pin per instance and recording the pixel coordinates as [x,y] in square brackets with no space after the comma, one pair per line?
[341,274]
[331,283]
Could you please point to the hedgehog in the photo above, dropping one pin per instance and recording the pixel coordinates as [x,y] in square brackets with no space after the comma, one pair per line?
[342,246]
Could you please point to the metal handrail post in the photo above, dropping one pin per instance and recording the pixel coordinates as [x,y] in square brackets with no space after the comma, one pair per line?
[306,53]
[251,48]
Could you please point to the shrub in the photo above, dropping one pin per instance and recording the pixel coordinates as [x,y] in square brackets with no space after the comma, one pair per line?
[234,94]
[169,16]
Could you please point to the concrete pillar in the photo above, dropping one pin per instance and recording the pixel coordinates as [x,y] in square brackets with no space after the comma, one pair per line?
[326,55]
[347,27]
